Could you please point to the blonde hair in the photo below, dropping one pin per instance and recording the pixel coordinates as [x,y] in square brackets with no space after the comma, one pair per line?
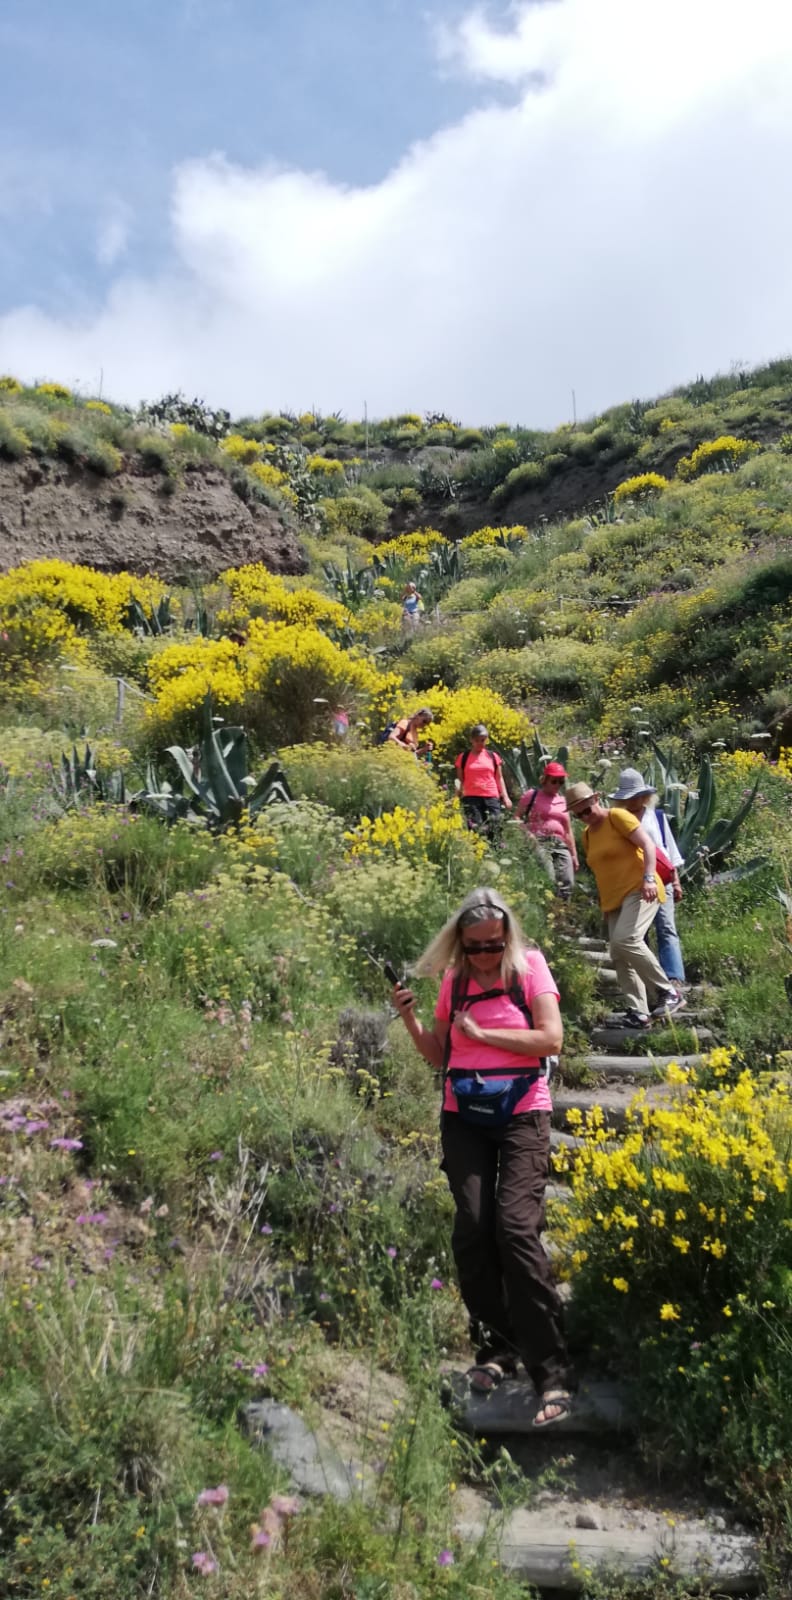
[447,950]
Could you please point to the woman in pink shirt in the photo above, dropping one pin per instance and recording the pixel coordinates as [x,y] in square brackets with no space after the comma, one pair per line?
[480,782]
[497,1017]
[544,813]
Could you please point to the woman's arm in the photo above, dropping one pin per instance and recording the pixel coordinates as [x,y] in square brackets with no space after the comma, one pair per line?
[504,793]
[569,838]
[642,841]
[430,1042]
[545,1038]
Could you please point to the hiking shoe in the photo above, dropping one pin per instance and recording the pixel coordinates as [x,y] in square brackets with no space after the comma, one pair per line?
[636,1019]
[672,1001]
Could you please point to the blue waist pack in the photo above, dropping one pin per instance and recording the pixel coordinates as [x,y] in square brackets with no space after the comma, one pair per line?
[487,1101]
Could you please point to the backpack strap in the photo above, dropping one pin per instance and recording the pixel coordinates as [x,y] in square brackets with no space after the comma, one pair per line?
[529,808]
[461,1001]
[464,760]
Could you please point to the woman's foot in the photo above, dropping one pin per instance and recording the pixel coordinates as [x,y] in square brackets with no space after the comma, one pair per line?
[488,1375]
[554,1406]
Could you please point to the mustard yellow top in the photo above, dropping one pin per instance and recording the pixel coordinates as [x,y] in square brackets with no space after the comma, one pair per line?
[617,864]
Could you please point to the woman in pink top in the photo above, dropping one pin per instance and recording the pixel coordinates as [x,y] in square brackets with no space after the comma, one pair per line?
[544,813]
[497,1016]
[480,782]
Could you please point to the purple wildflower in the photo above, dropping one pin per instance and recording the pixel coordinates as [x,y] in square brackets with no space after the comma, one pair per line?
[203,1562]
[260,1539]
[445,1558]
[66,1144]
[265,1228]
[260,1370]
[217,1155]
[36,1126]
[392,1252]
[213,1497]
[436,1283]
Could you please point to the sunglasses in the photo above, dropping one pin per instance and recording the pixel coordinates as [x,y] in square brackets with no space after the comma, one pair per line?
[485,947]
[585,811]
[555,780]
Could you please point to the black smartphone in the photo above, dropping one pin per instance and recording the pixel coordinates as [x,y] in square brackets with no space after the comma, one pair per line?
[391,974]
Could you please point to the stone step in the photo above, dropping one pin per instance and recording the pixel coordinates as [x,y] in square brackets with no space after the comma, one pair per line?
[583,942]
[611,1038]
[613,1099]
[600,1409]
[687,1019]
[554,1557]
[637,1066]
[594,955]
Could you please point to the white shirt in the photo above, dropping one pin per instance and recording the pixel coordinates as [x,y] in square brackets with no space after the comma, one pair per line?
[668,843]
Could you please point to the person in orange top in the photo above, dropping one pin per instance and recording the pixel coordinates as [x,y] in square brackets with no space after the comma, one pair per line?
[622,857]
[480,782]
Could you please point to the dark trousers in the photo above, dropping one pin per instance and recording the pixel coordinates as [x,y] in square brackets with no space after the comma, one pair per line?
[497,1178]
[483,814]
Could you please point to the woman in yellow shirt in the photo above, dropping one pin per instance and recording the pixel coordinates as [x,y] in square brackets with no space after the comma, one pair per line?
[622,857]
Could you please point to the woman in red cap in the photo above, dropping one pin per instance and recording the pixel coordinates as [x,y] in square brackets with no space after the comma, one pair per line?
[543,812]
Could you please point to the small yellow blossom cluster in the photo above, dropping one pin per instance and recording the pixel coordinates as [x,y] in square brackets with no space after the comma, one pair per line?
[272,478]
[240,449]
[325,467]
[640,487]
[411,549]
[54,391]
[101,406]
[725,452]
[696,1195]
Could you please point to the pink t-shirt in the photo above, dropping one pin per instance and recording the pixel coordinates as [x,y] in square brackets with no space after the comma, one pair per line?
[500,1012]
[480,776]
[547,813]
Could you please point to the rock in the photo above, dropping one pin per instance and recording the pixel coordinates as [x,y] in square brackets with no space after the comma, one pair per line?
[586,1519]
[104,944]
[600,1409]
[312,1464]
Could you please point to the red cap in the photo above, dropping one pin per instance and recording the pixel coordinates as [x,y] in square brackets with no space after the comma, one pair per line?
[554,769]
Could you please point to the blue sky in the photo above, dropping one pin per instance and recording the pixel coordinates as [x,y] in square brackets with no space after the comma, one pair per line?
[99,101]
[460,205]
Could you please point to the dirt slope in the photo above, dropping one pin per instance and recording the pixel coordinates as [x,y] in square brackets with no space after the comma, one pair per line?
[137,522]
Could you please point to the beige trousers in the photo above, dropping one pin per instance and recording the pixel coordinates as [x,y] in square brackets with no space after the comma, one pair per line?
[637,968]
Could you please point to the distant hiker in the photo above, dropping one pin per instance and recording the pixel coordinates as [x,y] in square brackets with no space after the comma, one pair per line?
[544,814]
[623,859]
[636,797]
[480,783]
[495,1133]
[411,606]
[406,732]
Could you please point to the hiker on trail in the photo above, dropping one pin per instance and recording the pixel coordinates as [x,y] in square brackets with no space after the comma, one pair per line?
[544,814]
[496,1018]
[407,731]
[623,859]
[480,783]
[411,606]
[636,797]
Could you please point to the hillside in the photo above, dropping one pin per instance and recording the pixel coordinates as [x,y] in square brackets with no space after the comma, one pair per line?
[221,1210]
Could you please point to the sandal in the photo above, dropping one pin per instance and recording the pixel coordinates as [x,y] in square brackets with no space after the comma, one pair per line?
[560,1400]
[489,1375]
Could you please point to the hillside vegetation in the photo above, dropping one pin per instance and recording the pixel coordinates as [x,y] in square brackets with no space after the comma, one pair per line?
[218,1156]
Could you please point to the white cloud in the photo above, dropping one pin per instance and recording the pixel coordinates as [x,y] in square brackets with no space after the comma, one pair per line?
[112,237]
[621,229]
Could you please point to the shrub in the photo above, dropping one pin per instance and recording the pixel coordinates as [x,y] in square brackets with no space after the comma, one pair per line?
[510,620]
[468,596]
[14,444]
[457,710]
[469,439]
[529,475]
[103,457]
[53,391]
[389,908]
[108,848]
[303,839]
[155,452]
[360,514]
[325,467]
[643,487]
[506,538]
[9,385]
[716,455]
[437,658]
[435,835]
[679,1241]
[99,406]
[240,449]
[357,783]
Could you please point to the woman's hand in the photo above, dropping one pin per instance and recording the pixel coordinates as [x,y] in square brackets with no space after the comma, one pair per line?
[649,890]
[467,1025]
[403,1000]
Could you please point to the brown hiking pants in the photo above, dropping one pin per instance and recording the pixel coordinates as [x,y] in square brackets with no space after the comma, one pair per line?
[497,1177]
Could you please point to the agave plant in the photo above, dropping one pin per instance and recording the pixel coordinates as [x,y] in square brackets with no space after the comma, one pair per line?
[214,783]
[352,588]
[526,763]
[78,781]
[154,622]
[703,842]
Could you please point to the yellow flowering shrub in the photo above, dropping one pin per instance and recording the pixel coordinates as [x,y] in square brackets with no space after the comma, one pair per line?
[282,683]
[9,385]
[437,834]
[90,600]
[53,391]
[325,467]
[380,621]
[640,487]
[273,478]
[255,591]
[696,1195]
[240,449]
[784,764]
[411,549]
[30,752]
[725,452]
[456,710]
[492,536]
[99,405]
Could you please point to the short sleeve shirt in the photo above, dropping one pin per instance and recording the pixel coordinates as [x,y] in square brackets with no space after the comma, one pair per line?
[480,776]
[617,864]
[547,816]
[500,1012]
